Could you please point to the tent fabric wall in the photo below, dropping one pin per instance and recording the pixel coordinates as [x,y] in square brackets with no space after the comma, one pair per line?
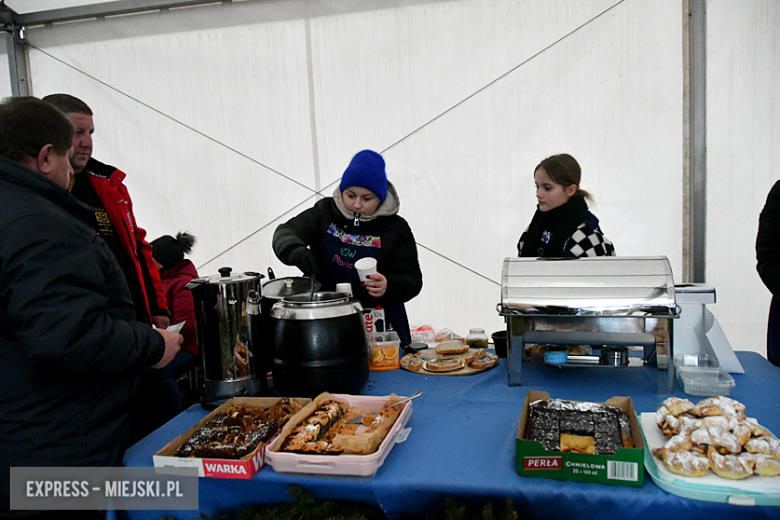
[743,151]
[228,119]
[303,94]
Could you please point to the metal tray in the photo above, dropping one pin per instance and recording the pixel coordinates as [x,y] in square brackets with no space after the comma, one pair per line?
[598,286]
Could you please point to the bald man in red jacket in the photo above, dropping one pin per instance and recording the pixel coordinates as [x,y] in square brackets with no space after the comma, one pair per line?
[101,186]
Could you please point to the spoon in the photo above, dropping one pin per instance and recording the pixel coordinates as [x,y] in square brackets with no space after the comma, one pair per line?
[359,418]
[311,292]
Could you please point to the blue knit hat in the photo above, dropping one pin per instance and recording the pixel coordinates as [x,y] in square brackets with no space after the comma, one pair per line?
[366,170]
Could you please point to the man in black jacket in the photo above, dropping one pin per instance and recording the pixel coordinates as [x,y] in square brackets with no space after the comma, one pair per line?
[768,256]
[70,346]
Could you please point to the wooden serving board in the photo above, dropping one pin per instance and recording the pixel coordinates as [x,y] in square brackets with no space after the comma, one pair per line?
[465,371]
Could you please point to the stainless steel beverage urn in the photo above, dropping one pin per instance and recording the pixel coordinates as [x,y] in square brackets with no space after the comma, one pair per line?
[229,322]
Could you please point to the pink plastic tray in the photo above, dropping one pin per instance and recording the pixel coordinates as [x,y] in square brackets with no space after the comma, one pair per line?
[347,465]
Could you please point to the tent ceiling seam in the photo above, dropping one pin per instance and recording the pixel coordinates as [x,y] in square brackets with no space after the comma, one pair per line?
[505,74]
[315,151]
[171,118]
[318,192]
[459,103]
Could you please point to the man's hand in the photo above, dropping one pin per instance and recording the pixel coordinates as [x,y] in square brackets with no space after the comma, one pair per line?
[173,343]
[161,322]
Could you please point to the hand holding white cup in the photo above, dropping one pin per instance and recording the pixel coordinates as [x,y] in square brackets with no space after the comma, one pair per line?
[365,267]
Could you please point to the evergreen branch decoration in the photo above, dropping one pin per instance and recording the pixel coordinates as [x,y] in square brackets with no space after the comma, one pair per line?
[305,506]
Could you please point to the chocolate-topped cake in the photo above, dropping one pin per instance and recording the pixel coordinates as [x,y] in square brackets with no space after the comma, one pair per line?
[238,431]
[583,427]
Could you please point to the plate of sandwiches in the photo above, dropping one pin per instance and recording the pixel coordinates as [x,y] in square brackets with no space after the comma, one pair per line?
[450,358]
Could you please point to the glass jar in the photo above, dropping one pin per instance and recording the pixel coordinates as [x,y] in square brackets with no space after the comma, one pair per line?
[477,338]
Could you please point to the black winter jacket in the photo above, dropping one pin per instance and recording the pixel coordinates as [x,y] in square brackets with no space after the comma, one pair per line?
[768,257]
[570,230]
[70,348]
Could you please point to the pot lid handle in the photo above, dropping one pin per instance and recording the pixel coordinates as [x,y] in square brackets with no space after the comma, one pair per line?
[224,272]
[195,283]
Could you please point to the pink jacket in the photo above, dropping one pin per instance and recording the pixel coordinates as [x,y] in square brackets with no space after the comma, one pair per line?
[181,303]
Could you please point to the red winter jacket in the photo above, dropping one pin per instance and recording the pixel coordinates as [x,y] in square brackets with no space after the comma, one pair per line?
[107,182]
[180,302]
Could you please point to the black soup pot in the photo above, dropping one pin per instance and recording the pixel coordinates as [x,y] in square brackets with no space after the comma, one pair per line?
[274,291]
[319,345]
[277,289]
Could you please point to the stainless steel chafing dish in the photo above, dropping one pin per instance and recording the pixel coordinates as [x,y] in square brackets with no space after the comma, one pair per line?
[602,301]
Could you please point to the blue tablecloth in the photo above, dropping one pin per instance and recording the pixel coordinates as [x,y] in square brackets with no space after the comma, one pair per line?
[462,444]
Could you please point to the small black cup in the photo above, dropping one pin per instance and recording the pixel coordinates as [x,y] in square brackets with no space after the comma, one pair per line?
[499,342]
[614,355]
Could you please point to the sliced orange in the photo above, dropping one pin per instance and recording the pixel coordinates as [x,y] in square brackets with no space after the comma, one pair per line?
[390,351]
[376,356]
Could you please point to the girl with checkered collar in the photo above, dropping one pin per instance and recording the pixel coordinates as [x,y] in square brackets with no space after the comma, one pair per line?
[562,225]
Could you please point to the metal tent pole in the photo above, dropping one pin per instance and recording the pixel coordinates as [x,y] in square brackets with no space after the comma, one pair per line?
[17,54]
[695,132]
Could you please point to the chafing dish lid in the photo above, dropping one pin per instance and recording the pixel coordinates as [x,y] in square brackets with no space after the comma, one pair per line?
[598,286]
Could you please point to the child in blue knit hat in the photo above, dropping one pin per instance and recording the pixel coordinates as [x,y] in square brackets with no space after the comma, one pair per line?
[367,171]
[359,221]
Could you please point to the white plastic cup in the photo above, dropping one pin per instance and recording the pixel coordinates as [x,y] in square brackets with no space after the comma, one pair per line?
[365,267]
[344,288]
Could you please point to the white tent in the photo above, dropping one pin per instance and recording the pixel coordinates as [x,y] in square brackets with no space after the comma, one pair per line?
[229,117]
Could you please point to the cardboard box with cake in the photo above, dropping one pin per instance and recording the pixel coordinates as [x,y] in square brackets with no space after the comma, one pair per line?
[230,441]
[580,441]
